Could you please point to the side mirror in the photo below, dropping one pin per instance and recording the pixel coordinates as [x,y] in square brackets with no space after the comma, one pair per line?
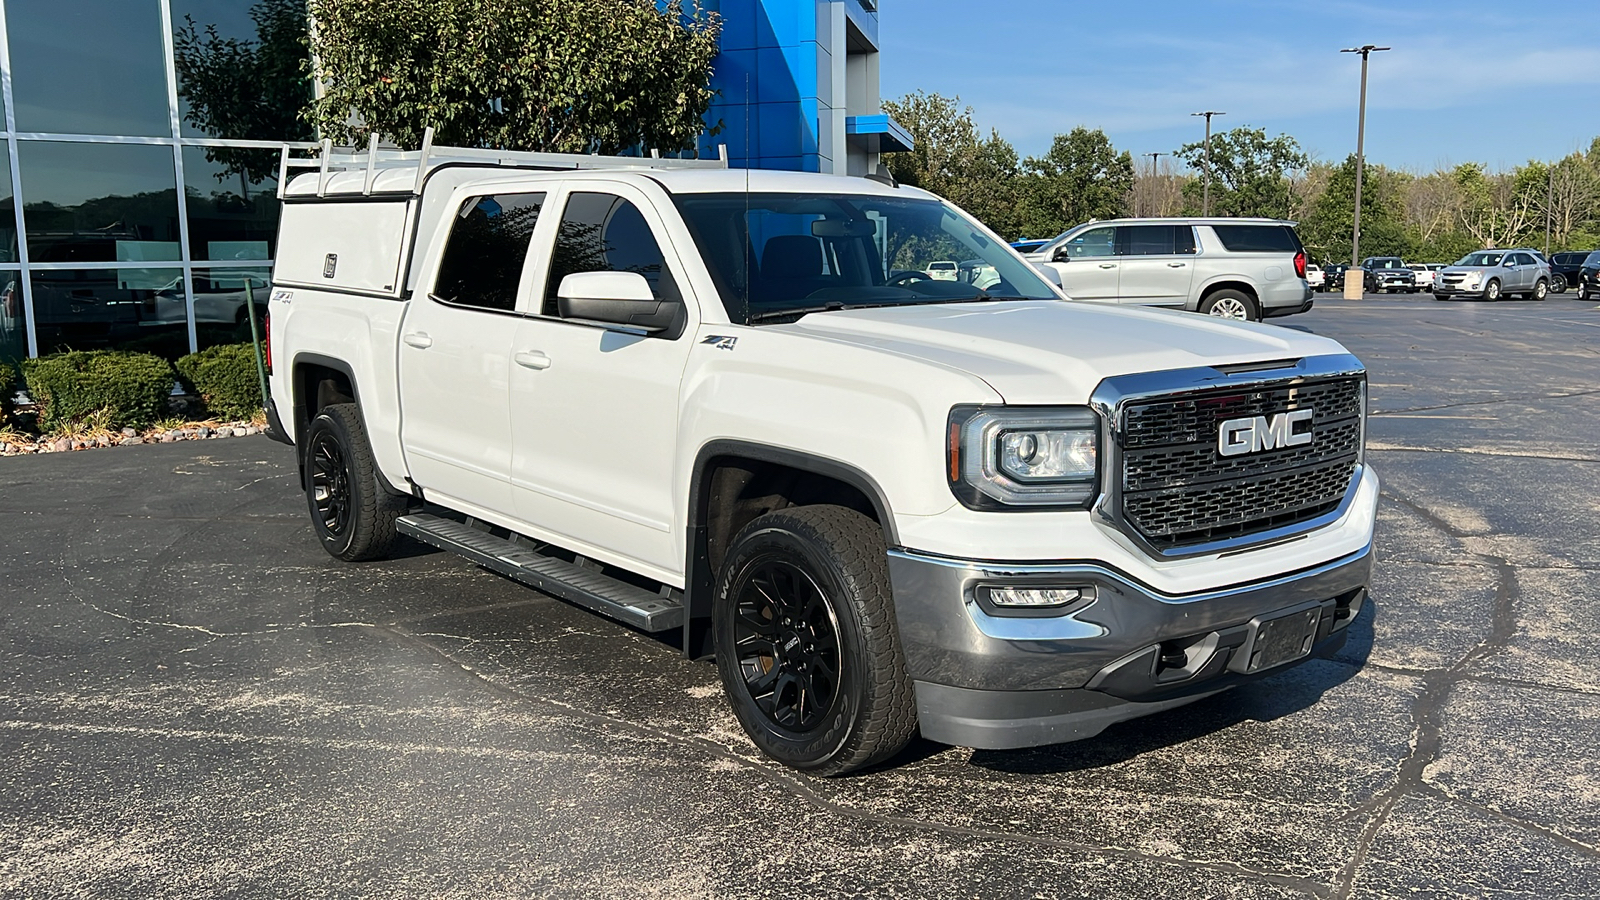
[1060,254]
[1050,275]
[1508,264]
[614,298]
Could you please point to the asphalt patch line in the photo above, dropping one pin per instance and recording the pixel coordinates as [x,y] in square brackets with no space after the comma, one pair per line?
[1427,741]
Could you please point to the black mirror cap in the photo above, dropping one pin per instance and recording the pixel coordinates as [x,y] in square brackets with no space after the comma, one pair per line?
[648,316]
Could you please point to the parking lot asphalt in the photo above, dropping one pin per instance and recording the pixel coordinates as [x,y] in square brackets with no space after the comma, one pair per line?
[197,702]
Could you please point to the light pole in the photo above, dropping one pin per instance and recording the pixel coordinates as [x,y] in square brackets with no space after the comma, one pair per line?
[1154,158]
[1206,203]
[1355,293]
[1549,200]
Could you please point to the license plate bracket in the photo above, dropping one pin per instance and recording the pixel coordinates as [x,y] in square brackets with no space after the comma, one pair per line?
[1283,638]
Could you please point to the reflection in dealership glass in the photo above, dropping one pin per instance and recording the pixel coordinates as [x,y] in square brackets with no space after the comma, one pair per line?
[780,256]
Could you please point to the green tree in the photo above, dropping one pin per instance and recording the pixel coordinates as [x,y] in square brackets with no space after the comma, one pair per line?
[953,160]
[1251,174]
[1329,229]
[574,76]
[1082,177]
[247,90]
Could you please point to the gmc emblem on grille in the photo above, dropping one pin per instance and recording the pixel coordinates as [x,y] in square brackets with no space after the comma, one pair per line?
[1255,434]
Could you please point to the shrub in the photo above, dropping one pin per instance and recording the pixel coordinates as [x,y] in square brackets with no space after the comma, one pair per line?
[124,388]
[225,378]
[8,387]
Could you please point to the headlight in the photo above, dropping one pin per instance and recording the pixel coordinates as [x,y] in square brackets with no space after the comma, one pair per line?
[1033,457]
[1473,278]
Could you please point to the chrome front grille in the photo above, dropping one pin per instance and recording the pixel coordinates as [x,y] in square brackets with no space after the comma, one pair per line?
[1177,490]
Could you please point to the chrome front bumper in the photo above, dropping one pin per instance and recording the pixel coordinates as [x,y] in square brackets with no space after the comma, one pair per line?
[995,681]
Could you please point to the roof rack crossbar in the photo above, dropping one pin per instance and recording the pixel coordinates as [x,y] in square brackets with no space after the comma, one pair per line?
[374,160]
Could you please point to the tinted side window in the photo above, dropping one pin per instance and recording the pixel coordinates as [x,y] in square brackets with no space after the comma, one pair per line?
[1522,259]
[605,233]
[1183,239]
[1096,242]
[1258,238]
[1147,240]
[1592,260]
[488,243]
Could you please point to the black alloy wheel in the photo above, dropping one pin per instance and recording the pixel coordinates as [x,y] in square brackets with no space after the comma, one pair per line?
[330,484]
[786,640]
[352,512]
[807,643]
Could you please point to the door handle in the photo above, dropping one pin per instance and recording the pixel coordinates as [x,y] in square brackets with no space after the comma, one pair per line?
[1176,265]
[418,339]
[1108,265]
[532,359]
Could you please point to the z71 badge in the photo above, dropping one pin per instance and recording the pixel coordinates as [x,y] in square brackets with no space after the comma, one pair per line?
[721,342]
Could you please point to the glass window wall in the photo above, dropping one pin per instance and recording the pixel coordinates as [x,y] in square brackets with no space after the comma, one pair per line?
[88,66]
[223,299]
[111,309]
[120,105]
[99,202]
[232,201]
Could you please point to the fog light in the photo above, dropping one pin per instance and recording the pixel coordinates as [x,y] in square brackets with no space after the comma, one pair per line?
[1037,598]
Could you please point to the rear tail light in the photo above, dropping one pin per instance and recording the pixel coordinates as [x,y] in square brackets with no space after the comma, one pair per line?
[1300,264]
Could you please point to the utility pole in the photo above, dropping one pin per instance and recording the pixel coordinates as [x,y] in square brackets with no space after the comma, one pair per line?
[1206,204]
[1549,201]
[1358,290]
[1154,158]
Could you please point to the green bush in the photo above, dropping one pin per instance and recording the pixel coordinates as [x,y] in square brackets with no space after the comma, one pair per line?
[8,387]
[130,388]
[224,377]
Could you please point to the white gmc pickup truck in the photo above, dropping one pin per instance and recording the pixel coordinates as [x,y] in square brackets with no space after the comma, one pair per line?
[736,405]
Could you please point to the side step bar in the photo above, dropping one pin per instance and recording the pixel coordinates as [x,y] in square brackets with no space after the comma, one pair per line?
[558,578]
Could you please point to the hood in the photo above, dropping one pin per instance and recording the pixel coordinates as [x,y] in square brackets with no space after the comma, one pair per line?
[1058,351]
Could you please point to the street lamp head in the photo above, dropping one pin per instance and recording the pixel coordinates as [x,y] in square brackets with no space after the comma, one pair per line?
[1364,50]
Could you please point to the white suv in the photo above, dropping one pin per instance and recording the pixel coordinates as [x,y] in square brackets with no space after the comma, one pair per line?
[1231,268]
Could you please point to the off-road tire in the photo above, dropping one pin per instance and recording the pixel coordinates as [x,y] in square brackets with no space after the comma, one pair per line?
[1491,291]
[1252,312]
[873,714]
[367,528]
[1540,290]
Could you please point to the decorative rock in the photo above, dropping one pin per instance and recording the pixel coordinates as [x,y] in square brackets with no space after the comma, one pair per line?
[130,441]
[61,446]
[167,438]
[129,432]
[103,441]
[224,431]
[203,431]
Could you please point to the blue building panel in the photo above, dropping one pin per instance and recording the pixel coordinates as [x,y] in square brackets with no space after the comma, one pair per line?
[775,84]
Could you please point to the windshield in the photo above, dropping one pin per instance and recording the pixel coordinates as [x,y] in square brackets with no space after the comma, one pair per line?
[777,255]
[1593,260]
[1385,264]
[1481,258]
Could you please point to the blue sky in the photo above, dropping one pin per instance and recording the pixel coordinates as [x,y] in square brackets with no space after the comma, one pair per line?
[1499,83]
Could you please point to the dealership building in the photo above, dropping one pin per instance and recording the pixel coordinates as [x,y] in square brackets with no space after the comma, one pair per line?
[129,221]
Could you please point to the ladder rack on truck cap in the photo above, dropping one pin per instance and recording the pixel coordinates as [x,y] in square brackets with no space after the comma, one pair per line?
[346,171]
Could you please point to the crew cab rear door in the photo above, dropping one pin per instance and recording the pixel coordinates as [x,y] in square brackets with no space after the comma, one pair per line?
[594,408]
[455,352]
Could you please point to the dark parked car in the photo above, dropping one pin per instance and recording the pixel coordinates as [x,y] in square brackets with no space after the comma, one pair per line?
[1564,269]
[1588,279]
[1333,277]
[1383,274]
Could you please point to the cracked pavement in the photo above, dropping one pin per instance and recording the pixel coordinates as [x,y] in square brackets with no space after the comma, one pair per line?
[197,702]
